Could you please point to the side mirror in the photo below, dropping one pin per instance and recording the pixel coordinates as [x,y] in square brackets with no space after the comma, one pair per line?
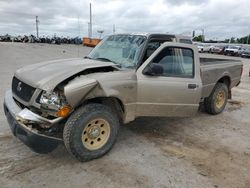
[153,69]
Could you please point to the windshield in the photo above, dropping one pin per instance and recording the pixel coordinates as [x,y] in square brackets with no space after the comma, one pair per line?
[123,50]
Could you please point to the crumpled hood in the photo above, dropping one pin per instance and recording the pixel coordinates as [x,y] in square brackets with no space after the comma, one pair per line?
[49,74]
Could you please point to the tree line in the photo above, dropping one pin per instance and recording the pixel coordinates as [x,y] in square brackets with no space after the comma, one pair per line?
[242,40]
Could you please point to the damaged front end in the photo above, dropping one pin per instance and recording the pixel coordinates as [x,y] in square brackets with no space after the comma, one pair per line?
[54,104]
[29,127]
[38,108]
[40,125]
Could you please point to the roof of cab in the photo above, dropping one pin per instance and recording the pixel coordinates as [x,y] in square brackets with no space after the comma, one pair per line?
[146,34]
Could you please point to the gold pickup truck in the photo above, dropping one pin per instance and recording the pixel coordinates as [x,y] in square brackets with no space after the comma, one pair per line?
[82,102]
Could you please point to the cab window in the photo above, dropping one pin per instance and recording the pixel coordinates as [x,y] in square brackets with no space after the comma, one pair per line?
[176,62]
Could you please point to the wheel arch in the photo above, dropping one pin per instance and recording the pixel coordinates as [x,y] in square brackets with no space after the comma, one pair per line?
[227,81]
[114,103]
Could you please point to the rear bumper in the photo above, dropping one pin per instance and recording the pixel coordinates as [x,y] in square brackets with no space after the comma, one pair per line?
[31,137]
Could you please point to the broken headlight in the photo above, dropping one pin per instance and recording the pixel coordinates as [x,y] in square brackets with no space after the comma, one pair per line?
[55,103]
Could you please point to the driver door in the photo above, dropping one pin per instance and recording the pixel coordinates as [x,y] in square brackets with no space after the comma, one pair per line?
[177,90]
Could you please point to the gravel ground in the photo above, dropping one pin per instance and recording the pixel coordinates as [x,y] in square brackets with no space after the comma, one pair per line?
[202,151]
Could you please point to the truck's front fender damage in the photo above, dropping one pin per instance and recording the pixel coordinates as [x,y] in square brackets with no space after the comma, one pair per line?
[85,89]
[78,88]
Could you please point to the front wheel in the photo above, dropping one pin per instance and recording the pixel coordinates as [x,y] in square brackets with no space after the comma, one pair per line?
[91,131]
[217,100]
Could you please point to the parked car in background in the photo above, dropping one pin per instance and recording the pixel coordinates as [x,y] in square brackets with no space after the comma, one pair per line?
[5,38]
[43,39]
[242,50]
[207,47]
[232,50]
[200,48]
[203,47]
[245,52]
[218,49]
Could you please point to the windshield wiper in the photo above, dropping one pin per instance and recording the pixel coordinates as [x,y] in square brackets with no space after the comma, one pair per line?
[104,59]
[108,60]
[87,57]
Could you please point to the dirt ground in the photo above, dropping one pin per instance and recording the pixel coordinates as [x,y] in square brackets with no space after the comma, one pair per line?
[202,151]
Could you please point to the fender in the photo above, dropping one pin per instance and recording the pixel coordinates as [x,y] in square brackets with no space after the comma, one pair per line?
[78,88]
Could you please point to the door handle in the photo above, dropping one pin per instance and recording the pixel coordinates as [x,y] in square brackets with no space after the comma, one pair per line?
[192,86]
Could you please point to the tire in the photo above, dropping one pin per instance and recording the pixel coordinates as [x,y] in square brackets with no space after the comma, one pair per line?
[212,104]
[88,119]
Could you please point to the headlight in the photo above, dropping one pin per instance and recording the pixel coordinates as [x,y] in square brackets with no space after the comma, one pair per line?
[50,100]
[55,103]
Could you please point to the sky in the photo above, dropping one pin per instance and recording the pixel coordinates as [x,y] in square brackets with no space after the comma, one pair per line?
[220,19]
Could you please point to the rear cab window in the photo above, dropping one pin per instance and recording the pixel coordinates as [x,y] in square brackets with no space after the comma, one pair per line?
[186,41]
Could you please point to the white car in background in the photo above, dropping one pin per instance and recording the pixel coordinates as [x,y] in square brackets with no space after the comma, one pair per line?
[203,47]
[232,50]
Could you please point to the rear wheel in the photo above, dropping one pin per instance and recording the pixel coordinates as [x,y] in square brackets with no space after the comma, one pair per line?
[217,100]
[91,131]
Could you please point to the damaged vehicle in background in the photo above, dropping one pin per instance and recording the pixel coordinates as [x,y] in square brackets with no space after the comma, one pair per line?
[232,50]
[218,49]
[82,102]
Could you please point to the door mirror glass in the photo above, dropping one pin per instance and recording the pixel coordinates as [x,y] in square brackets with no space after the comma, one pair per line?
[153,69]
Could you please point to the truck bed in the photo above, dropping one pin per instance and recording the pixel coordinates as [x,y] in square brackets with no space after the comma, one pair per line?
[213,69]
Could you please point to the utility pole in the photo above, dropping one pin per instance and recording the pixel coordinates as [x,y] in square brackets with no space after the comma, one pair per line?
[37,21]
[113,28]
[203,35]
[89,29]
[90,21]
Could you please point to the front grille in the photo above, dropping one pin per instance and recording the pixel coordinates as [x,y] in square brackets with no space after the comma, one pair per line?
[22,90]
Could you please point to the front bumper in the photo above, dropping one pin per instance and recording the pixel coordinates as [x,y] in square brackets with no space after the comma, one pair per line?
[30,136]
[231,52]
[245,55]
